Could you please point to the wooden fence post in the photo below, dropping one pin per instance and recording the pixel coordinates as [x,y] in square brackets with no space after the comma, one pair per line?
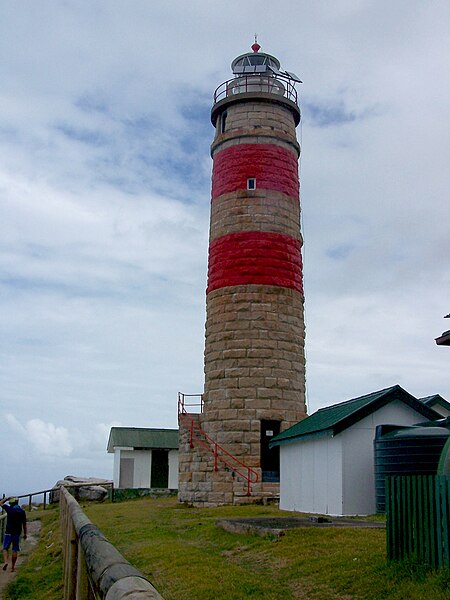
[70,569]
[83,588]
[93,567]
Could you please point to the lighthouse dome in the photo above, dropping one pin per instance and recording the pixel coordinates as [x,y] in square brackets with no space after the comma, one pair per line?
[258,74]
[255,62]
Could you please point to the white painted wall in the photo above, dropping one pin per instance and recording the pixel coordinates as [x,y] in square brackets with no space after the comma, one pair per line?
[173,469]
[143,466]
[441,410]
[311,476]
[335,476]
[358,456]
[117,454]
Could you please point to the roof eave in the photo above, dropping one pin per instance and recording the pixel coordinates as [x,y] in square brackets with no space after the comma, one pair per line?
[302,437]
[444,339]
[396,394]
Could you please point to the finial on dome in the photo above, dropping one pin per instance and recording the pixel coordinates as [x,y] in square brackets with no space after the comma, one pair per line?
[256,47]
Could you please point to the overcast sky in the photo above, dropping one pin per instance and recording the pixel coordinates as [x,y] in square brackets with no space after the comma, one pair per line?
[104,208]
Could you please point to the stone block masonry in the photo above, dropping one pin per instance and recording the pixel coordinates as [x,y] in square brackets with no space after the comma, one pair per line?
[260,362]
[254,337]
[263,210]
[257,116]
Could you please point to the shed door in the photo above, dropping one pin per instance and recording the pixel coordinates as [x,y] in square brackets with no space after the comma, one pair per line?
[126,472]
[160,469]
[270,458]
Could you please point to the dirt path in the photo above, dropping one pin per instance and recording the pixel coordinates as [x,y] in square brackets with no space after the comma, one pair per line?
[27,545]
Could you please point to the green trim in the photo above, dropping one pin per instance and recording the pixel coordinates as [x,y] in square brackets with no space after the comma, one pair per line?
[436,399]
[307,436]
[142,438]
[334,419]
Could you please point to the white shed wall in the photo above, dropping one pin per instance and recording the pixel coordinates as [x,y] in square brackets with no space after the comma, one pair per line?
[116,467]
[173,469]
[441,410]
[311,476]
[117,454]
[335,476]
[142,466]
[358,464]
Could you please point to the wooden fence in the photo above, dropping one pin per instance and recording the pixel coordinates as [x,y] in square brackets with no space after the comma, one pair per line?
[418,519]
[93,568]
[50,494]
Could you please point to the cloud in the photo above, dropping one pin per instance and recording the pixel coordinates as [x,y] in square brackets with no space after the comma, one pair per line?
[334,113]
[39,453]
[45,438]
[104,196]
[49,441]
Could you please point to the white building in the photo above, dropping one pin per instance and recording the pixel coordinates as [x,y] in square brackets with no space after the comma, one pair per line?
[438,403]
[144,458]
[327,460]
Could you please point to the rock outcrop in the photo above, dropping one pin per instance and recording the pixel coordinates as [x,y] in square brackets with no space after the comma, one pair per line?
[96,490]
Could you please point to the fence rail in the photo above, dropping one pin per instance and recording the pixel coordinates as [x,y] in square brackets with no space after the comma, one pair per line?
[418,518]
[93,568]
[54,491]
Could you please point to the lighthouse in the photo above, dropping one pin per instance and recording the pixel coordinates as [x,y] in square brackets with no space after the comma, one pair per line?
[254,360]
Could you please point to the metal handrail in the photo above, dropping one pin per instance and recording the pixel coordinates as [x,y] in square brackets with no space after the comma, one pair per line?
[182,404]
[250,476]
[258,82]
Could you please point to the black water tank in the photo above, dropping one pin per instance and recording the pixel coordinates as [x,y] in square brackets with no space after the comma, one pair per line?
[406,451]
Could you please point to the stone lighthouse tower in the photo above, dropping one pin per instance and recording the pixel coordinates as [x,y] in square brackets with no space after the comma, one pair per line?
[254,345]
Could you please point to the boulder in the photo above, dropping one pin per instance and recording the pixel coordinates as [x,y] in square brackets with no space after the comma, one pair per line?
[94,491]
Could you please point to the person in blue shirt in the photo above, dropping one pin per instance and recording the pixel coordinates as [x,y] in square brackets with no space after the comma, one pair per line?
[16,522]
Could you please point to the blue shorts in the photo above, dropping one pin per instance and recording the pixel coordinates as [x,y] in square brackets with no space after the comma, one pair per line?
[13,539]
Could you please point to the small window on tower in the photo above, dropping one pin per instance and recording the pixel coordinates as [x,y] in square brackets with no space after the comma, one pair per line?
[251,183]
[223,122]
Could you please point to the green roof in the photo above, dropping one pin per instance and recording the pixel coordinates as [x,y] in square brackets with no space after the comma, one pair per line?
[142,438]
[332,420]
[435,399]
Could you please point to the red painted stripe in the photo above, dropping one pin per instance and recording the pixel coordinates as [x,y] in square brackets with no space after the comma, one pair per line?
[275,168]
[255,257]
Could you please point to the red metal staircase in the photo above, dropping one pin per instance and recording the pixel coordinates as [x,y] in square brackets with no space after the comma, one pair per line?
[198,435]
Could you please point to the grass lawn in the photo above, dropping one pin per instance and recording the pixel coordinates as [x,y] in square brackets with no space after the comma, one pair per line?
[186,556]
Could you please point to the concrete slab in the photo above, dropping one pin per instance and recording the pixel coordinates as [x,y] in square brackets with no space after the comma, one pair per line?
[278,525]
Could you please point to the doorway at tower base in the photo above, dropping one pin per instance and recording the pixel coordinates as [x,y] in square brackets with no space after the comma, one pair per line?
[201,485]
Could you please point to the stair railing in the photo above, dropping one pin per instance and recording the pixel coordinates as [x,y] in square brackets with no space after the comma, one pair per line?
[207,442]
